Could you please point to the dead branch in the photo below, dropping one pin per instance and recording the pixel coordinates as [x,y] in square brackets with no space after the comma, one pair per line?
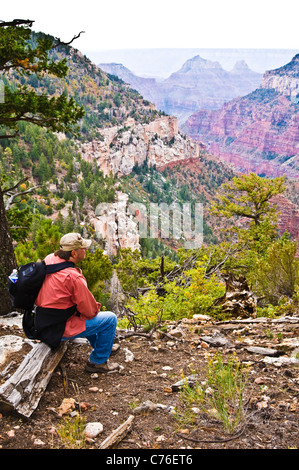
[118,434]
[261,320]
[214,440]
[16,23]
[5,191]
[60,43]
[13,196]
[210,270]
[9,136]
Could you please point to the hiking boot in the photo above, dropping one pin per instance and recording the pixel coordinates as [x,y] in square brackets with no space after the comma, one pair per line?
[115,349]
[101,368]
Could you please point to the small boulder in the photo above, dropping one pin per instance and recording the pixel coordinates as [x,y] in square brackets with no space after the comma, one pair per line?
[92,430]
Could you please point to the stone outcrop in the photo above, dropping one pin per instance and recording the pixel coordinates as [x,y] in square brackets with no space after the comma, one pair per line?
[113,224]
[118,151]
[158,142]
[259,132]
[285,80]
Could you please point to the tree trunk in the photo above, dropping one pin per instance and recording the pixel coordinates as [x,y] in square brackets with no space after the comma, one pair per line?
[7,259]
[22,392]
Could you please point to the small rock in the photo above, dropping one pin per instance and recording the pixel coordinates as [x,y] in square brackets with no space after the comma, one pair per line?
[84,406]
[67,405]
[145,406]
[293,407]
[38,442]
[199,317]
[161,438]
[203,345]
[167,368]
[190,380]
[216,340]
[279,361]
[262,404]
[263,351]
[129,356]
[259,380]
[184,431]
[176,332]
[93,429]
[93,389]
[11,433]
[195,410]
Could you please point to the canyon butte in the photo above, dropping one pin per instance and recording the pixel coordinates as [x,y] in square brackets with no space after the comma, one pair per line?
[258,132]
[198,84]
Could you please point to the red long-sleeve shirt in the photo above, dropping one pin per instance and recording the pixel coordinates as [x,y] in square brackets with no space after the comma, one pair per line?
[65,289]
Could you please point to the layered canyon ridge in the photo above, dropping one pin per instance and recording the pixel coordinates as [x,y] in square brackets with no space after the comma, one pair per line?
[199,83]
[258,132]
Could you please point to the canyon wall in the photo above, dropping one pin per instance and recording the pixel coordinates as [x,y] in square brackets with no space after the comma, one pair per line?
[115,227]
[258,132]
[118,151]
[159,142]
[198,84]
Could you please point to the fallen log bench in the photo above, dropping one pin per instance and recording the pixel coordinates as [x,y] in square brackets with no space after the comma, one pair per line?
[23,390]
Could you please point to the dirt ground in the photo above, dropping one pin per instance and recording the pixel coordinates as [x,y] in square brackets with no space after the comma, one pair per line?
[270,401]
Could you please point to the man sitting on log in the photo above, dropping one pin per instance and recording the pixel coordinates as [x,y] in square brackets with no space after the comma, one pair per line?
[68,289]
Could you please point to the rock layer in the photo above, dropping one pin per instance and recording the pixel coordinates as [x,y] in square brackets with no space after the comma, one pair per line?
[199,83]
[159,142]
[259,132]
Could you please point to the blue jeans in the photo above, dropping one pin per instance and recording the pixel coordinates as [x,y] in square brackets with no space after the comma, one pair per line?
[100,332]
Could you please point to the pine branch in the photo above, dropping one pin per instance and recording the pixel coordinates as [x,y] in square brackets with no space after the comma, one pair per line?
[14,23]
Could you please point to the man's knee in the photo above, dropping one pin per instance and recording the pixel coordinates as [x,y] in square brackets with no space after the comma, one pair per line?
[110,316]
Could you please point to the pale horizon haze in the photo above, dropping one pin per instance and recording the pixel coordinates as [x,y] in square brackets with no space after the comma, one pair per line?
[163,24]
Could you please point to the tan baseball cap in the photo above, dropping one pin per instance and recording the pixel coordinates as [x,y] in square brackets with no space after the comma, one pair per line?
[73,241]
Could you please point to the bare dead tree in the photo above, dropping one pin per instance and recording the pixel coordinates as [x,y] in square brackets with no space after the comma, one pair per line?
[13,194]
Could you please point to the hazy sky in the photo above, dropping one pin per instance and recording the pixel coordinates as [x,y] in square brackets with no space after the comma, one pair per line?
[117,24]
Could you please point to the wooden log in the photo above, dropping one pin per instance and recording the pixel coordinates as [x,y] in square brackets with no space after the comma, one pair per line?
[118,434]
[24,389]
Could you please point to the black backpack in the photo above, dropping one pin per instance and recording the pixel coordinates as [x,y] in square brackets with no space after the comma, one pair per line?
[31,276]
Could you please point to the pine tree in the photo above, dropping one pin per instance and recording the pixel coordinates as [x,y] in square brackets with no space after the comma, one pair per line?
[23,104]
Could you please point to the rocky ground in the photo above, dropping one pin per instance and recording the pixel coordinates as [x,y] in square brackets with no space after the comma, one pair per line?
[144,388]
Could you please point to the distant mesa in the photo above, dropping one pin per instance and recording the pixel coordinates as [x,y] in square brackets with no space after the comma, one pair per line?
[198,84]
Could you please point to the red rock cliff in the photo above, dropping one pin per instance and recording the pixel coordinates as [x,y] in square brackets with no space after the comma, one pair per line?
[259,132]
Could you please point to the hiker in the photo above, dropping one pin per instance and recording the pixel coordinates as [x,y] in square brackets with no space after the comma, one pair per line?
[67,289]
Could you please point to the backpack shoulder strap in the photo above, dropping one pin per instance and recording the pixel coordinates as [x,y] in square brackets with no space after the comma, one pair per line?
[54,268]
